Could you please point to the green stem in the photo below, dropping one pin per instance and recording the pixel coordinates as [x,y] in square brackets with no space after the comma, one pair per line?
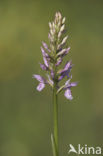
[55,103]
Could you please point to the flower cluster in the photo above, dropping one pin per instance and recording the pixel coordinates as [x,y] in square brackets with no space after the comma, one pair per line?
[53,56]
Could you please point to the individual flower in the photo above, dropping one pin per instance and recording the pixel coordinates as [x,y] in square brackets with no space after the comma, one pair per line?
[65,71]
[67,89]
[42,82]
[46,46]
[43,66]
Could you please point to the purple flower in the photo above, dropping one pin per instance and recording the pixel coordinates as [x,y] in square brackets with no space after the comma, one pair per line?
[68,94]
[46,62]
[59,61]
[46,47]
[46,57]
[67,89]
[42,82]
[65,71]
[40,86]
[44,53]
[43,66]
[69,85]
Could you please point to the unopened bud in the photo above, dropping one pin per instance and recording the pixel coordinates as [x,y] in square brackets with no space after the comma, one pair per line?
[62,28]
[63,21]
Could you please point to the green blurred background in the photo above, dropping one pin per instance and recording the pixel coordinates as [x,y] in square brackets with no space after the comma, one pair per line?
[26,115]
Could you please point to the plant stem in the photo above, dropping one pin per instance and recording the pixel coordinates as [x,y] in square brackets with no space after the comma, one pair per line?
[55,103]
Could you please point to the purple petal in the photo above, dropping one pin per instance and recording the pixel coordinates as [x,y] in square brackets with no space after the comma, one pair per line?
[45,62]
[46,57]
[73,84]
[39,78]
[40,86]
[59,61]
[67,66]
[67,83]
[44,53]
[43,67]
[68,94]
[67,51]
[46,46]
[60,77]
[64,73]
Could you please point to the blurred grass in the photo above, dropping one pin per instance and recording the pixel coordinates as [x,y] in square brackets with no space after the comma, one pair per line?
[25,114]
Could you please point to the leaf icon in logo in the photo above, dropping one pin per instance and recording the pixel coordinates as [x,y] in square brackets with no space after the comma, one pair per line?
[72,149]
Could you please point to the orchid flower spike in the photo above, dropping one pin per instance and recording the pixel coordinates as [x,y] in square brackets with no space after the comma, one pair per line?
[53,56]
